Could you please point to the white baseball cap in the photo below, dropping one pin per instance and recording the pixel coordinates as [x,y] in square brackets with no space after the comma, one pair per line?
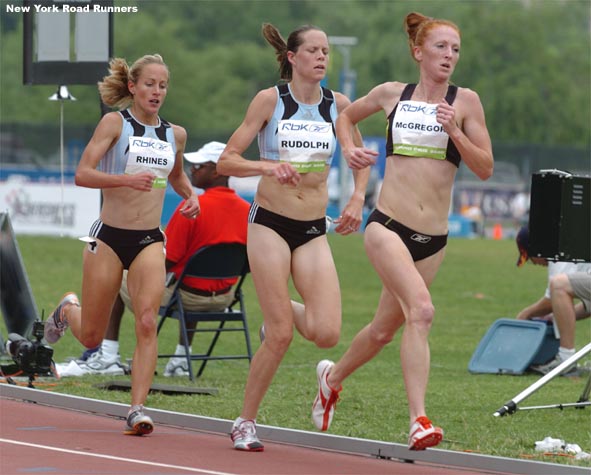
[210,152]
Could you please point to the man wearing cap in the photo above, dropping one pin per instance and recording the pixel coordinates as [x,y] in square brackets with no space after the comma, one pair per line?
[566,281]
[223,218]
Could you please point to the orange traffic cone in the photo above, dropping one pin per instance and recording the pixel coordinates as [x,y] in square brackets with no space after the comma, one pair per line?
[497,232]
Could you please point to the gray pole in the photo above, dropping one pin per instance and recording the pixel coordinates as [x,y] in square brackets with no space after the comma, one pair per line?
[344,44]
[62,95]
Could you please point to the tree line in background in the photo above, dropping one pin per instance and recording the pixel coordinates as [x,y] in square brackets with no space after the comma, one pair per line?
[529,61]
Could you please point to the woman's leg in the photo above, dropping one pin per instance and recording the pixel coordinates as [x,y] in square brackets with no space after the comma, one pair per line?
[370,340]
[408,282]
[405,298]
[270,263]
[316,280]
[145,282]
[101,279]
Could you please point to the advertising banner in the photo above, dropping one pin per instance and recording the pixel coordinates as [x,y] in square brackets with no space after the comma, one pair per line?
[37,208]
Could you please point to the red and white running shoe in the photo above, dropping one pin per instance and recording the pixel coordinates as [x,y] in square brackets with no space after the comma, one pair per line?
[326,399]
[423,434]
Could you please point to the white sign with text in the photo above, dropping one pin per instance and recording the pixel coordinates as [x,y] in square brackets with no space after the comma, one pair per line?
[36,208]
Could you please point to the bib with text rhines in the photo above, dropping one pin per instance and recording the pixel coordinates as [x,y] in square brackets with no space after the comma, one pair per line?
[416,132]
[153,155]
[307,145]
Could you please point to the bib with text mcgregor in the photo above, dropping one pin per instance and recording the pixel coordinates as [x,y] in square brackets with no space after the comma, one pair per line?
[416,132]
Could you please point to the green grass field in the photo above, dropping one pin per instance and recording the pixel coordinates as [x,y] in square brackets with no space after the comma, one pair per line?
[477,284]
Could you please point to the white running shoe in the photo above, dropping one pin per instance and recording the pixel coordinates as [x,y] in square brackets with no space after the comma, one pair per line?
[326,399]
[99,363]
[423,434]
[57,324]
[176,367]
[244,436]
[554,363]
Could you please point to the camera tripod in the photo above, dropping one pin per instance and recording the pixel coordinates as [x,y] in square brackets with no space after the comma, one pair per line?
[8,372]
[30,357]
[511,406]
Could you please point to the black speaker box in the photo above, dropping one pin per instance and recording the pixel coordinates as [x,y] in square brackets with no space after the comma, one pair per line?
[560,216]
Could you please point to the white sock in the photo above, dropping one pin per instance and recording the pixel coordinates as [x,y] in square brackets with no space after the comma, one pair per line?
[110,348]
[180,350]
[180,355]
[565,353]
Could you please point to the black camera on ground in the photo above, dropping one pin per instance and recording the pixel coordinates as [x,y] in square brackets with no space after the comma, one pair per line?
[31,357]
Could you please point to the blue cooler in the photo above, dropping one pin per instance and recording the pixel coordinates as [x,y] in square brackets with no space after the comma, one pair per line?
[510,346]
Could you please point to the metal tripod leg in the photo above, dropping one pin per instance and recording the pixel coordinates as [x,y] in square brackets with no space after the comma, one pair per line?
[580,404]
[511,406]
[585,395]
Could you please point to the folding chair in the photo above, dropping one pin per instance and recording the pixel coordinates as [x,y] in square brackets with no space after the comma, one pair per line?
[219,261]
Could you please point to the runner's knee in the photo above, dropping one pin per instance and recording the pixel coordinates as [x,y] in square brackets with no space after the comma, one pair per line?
[326,339]
[145,324]
[421,314]
[380,337]
[91,339]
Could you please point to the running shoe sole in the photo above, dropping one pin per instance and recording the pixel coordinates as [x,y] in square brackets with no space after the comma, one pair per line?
[141,428]
[140,424]
[430,440]
[424,434]
[254,447]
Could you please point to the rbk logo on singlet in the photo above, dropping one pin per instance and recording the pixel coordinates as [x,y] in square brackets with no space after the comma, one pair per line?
[305,126]
[307,145]
[147,143]
[149,154]
[426,109]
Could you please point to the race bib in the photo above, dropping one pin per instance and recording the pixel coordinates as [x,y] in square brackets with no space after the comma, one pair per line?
[153,155]
[307,145]
[416,132]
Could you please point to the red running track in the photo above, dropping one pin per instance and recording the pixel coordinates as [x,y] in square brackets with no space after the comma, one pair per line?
[36,438]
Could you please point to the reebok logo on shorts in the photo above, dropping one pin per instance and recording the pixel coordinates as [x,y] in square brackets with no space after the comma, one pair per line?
[420,238]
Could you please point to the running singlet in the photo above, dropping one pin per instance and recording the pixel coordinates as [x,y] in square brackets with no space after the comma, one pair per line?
[301,134]
[413,130]
[142,148]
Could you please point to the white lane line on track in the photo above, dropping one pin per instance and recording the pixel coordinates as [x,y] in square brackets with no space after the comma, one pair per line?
[121,459]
